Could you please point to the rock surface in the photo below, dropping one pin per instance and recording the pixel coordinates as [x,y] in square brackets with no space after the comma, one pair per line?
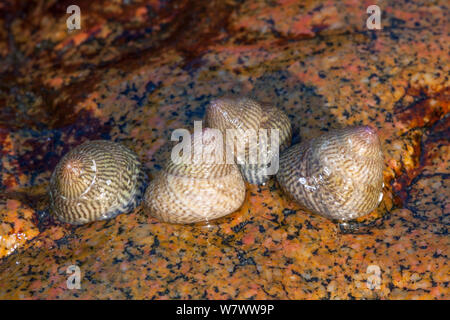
[137,70]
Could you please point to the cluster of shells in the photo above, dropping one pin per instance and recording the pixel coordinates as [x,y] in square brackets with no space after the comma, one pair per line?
[337,175]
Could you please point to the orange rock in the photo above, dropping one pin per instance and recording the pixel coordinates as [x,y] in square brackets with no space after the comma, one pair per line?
[16,227]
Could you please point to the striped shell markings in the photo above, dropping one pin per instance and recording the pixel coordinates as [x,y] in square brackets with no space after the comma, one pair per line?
[97,180]
[337,175]
[198,189]
[243,114]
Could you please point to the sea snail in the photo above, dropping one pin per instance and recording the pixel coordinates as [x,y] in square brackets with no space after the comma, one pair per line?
[95,181]
[337,175]
[198,188]
[247,114]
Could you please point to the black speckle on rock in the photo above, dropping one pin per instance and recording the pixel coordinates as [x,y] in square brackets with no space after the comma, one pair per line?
[150,86]
[288,212]
[262,229]
[240,226]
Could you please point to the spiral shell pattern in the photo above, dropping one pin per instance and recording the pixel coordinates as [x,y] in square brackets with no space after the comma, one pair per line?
[337,175]
[247,114]
[196,190]
[95,181]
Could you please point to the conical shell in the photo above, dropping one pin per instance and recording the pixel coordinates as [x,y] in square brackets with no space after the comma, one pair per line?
[200,189]
[337,175]
[95,181]
[244,114]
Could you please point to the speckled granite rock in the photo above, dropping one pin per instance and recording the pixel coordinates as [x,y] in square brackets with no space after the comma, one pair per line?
[136,71]
[16,226]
